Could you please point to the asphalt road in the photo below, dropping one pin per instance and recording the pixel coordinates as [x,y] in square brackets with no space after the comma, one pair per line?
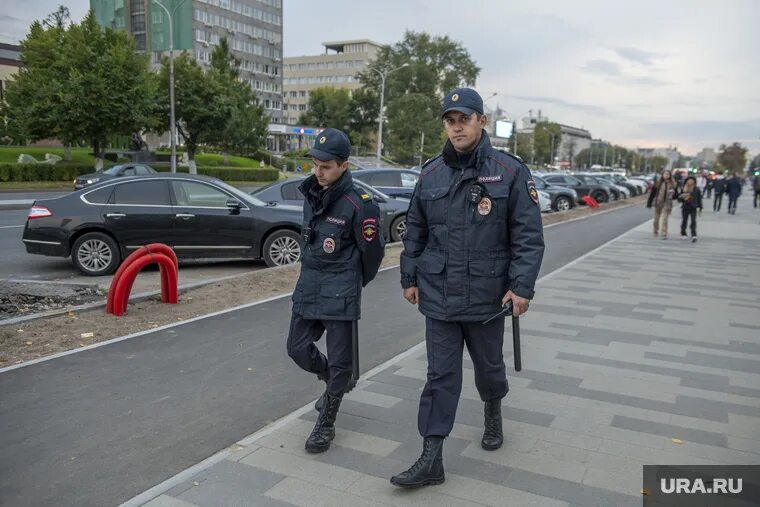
[101,426]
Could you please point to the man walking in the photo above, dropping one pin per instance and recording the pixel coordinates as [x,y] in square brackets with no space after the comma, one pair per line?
[720,188]
[474,241]
[734,190]
[342,250]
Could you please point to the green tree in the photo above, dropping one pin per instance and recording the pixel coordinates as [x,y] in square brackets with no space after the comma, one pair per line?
[362,130]
[328,107]
[733,157]
[546,140]
[755,164]
[409,117]
[435,65]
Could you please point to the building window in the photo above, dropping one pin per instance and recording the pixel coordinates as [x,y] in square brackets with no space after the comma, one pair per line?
[141,41]
[302,107]
[302,93]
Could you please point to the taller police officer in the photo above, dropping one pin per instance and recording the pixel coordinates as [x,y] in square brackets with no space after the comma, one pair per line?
[343,247]
[474,241]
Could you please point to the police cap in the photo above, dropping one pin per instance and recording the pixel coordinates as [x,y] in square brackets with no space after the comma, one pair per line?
[464,100]
[331,144]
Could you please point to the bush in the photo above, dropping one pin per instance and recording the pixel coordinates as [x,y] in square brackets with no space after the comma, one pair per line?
[43,172]
[232,173]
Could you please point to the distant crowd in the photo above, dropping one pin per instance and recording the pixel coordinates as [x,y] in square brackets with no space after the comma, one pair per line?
[690,191]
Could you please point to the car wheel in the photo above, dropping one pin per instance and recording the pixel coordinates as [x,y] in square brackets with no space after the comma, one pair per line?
[282,248]
[599,196]
[562,203]
[398,228]
[96,254]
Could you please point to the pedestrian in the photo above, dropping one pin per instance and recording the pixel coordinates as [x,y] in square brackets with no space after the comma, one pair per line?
[710,184]
[734,190]
[474,241]
[342,249]
[756,188]
[691,202]
[702,183]
[720,188]
[661,197]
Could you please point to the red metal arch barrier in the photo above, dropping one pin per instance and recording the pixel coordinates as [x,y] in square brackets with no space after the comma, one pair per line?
[592,203]
[121,285]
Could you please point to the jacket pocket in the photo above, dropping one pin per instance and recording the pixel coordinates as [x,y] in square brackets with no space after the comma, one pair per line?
[496,209]
[487,280]
[435,205]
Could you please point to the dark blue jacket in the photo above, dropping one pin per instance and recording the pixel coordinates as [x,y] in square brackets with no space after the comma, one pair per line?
[720,186]
[342,251]
[465,254]
[734,187]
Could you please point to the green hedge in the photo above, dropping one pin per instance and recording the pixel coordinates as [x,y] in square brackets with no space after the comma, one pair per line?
[232,173]
[43,172]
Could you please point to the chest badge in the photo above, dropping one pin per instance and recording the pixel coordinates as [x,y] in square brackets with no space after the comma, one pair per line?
[328,245]
[484,206]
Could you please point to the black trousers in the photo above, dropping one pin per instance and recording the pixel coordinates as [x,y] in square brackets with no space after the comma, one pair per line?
[717,201]
[685,214]
[445,344]
[336,367]
[732,204]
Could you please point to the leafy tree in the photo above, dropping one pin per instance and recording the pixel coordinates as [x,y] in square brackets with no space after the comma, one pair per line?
[328,107]
[409,117]
[435,65]
[546,139]
[733,157]
[362,130]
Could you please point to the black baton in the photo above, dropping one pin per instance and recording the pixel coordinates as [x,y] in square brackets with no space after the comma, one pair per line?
[507,310]
[354,356]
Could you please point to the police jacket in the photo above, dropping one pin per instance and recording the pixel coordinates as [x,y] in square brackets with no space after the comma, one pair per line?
[473,232]
[342,251]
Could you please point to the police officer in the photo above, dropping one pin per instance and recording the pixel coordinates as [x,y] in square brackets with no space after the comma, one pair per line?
[474,241]
[342,250]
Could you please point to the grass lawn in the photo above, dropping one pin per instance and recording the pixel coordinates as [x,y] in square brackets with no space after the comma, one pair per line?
[217,160]
[9,154]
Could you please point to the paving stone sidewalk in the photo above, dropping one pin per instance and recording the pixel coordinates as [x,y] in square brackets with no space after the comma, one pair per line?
[642,342]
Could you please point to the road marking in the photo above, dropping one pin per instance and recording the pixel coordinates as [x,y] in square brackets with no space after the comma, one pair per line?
[9,226]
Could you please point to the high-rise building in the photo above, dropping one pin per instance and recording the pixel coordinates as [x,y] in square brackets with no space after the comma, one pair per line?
[10,62]
[253,29]
[337,67]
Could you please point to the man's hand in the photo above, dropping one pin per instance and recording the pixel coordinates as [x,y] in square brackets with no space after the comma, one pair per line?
[519,305]
[412,294]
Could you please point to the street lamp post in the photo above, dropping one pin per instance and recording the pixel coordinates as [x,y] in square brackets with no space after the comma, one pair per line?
[173,125]
[382,75]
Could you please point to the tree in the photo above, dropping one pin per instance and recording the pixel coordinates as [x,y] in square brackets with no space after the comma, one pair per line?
[546,140]
[409,117]
[435,66]
[328,107]
[755,164]
[733,158]
[365,107]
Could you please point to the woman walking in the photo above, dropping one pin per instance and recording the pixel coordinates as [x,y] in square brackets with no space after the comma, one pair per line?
[691,201]
[661,197]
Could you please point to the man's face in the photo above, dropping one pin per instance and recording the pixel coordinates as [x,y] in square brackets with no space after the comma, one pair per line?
[328,172]
[463,130]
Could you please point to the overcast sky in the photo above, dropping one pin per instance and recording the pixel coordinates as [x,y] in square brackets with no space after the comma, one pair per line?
[643,74]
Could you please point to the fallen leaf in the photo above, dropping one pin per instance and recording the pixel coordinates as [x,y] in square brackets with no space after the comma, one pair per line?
[71,314]
[20,330]
[196,483]
[87,335]
[644,491]
[676,440]
[81,344]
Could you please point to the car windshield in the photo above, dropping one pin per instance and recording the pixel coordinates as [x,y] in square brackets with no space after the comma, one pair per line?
[113,170]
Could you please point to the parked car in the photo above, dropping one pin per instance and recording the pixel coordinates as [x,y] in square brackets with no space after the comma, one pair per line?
[619,180]
[390,181]
[199,217]
[647,183]
[612,189]
[116,171]
[544,201]
[562,198]
[392,209]
[595,190]
[625,192]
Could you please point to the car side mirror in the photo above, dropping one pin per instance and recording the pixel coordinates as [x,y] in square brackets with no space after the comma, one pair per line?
[233,203]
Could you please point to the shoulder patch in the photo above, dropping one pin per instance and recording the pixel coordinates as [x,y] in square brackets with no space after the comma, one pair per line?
[532,192]
[429,160]
[369,229]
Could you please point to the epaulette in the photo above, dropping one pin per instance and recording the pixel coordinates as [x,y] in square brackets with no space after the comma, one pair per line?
[430,161]
[362,193]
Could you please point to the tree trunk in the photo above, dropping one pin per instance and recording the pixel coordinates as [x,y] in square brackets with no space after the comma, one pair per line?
[226,157]
[191,158]
[67,152]
[96,152]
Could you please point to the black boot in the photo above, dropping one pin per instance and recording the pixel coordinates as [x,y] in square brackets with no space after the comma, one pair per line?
[324,429]
[492,436]
[428,470]
[321,400]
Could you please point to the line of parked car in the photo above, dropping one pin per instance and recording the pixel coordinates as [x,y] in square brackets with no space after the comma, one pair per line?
[113,212]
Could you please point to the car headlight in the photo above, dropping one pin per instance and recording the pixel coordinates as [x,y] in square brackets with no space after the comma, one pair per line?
[93,180]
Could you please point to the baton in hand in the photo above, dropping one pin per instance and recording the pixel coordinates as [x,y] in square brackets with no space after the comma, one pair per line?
[507,310]
[354,356]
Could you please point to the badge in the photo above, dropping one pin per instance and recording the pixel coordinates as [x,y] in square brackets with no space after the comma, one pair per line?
[484,207]
[336,221]
[532,192]
[328,245]
[369,229]
[322,140]
[455,97]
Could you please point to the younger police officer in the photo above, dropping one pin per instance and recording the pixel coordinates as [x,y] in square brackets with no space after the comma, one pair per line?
[342,250]
[473,242]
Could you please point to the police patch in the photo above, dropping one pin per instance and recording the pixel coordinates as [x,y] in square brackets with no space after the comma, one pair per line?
[532,192]
[336,221]
[328,245]
[369,229]
[490,179]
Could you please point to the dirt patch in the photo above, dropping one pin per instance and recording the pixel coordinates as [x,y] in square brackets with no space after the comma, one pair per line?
[42,337]
[23,298]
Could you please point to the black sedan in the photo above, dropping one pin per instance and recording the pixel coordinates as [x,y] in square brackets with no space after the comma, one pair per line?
[595,190]
[590,179]
[563,198]
[392,209]
[390,181]
[199,217]
[116,171]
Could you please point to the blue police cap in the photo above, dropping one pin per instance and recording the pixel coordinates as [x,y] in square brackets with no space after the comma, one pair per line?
[464,100]
[331,144]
